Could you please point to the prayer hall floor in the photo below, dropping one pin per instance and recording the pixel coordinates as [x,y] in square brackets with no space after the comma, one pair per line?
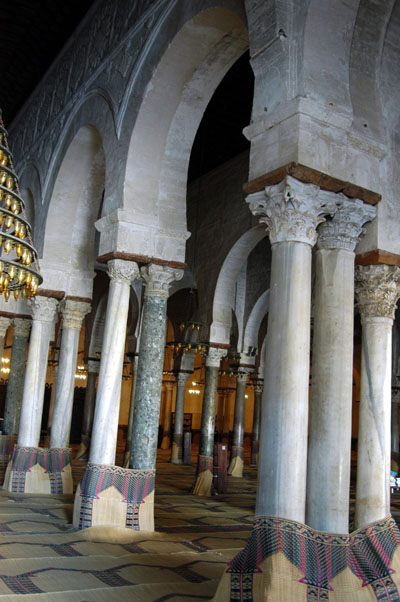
[43,558]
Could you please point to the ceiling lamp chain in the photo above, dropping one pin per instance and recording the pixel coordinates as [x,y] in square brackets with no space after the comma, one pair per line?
[19,268]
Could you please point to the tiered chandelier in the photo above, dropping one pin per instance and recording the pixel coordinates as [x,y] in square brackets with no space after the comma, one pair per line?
[19,268]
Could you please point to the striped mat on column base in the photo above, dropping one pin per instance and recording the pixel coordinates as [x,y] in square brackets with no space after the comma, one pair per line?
[287,561]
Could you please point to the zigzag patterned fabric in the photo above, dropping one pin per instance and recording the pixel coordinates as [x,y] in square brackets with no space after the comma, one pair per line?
[320,557]
[134,485]
[53,461]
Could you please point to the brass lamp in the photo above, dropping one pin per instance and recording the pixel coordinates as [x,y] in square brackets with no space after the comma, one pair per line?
[19,269]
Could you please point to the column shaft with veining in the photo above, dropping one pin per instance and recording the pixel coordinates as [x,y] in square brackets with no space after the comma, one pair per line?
[15,385]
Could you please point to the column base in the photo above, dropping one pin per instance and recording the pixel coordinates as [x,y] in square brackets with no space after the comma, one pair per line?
[282,557]
[254,453]
[204,478]
[39,470]
[6,449]
[111,496]
[177,449]
[83,451]
[236,464]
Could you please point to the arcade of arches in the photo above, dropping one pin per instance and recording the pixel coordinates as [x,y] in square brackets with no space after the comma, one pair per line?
[213,187]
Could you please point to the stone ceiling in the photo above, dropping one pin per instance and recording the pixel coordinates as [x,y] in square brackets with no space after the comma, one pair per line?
[32,34]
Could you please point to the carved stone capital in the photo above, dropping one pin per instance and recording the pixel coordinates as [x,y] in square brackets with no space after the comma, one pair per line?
[292,210]
[43,308]
[4,324]
[346,226]
[181,379]
[242,375]
[214,357]
[122,271]
[377,290]
[73,313]
[93,366]
[21,327]
[158,279]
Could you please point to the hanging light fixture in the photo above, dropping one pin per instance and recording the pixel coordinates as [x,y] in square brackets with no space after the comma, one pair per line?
[19,268]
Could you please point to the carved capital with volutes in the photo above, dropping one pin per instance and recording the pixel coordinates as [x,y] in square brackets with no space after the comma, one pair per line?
[214,357]
[346,226]
[377,290]
[292,210]
[73,313]
[21,327]
[122,271]
[158,278]
[43,308]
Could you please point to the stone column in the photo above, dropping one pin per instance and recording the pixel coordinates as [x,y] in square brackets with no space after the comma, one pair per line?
[128,445]
[227,415]
[30,469]
[177,440]
[329,445]
[237,454]
[73,313]
[219,424]
[15,385]
[4,324]
[99,497]
[166,440]
[377,290]
[157,280]
[204,474]
[88,409]
[292,211]
[395,421]
[255,437]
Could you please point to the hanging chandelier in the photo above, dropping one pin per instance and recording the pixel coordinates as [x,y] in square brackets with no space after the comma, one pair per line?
[19,268]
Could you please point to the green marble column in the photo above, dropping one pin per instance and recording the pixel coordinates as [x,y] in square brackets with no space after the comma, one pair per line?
[177,438]
[236,464]
[204,475]
[157,280]
[15,385]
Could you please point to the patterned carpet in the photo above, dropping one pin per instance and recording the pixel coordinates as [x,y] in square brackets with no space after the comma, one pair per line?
[43,558]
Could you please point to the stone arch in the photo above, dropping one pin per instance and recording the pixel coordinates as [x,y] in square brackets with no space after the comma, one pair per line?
[257,314]
[178,93]
[69,240]
[225,290]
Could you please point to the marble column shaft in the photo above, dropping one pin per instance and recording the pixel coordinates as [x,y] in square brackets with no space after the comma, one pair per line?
[207,427]
[377,289]
[90,398]
[150,366]
[329,446]
[43,314]
[255,438]
[73,313]
[105,423]
[395,421]
[131,404]
[177,439]
[15,385]
[292,211]
[238,419]
[227,412]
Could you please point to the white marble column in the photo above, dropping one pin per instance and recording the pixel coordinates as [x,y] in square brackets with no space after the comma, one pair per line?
[292,211]
[43,315]
[329,445]
[105,424]
[73,313]
[236,464]
[377,290]
[15,385]
[4,324]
